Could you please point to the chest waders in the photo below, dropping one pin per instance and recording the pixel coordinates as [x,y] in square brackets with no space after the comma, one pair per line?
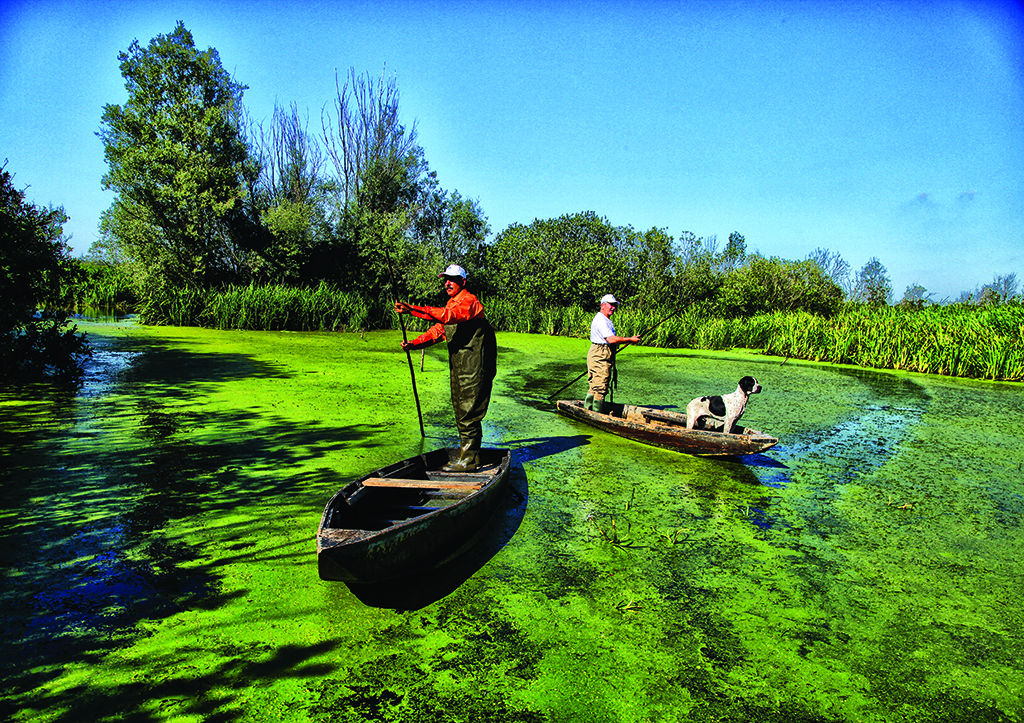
[472,362]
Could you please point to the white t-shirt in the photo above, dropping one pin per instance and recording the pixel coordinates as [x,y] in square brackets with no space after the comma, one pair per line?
[601,328]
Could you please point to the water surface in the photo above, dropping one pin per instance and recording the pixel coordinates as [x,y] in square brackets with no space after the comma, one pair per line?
[159,564]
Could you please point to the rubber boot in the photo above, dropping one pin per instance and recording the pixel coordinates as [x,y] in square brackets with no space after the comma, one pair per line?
[468,461]
[588,402]
[599,405]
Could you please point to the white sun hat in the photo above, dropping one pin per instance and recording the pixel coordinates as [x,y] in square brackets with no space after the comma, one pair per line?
[453,270]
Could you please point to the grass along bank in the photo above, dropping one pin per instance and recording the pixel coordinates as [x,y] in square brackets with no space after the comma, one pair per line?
[959,340]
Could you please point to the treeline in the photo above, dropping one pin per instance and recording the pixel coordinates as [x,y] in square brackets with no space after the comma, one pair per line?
[208,200]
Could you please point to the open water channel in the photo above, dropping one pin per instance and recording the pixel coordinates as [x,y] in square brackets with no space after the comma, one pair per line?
[158,560]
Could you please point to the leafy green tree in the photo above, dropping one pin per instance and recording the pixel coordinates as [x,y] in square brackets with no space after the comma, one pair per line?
[772,284]
[448,229]
[288,199]
[571,260]
[384,187]
[915,297]
[295,241]
[654,268]
[37,278]
[178,160]
[735,251]
[699,276]
[872,285]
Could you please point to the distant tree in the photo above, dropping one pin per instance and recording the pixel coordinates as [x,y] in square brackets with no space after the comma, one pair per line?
[571,260]
[383,183]
[291,160]
[915,297]
[1002,288]
[448,229]
[291,197]
[835,267]
[772,284]
[735,251]
[366,131]
[872,285]
[1004,285]
[37,278]
[699,275]
[654,264]
[177,159]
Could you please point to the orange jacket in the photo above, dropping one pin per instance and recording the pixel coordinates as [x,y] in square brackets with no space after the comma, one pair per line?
[461,307]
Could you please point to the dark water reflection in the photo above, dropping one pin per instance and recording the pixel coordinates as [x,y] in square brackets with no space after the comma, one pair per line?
[82,553]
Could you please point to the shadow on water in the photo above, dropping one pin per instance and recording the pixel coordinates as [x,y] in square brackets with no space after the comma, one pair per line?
[530,450]
[83,506]
[417,591]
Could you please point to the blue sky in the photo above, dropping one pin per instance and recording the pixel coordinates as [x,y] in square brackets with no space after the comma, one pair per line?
[885,129]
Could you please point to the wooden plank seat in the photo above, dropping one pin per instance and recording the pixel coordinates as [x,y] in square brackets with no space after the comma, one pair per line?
[427,484]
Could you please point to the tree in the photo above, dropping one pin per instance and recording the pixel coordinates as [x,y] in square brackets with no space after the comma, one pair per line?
[915,297]
[571,260]
[653,264]
[735,251]
[772,284]
[383,182]
[369,133]
[296,243]
[37,274]
[872,286]
[448,229]
[177,159]
[1002,288]
[834,266]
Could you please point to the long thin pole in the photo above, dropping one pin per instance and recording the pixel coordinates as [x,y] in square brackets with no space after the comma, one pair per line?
[616,351]
[408,354]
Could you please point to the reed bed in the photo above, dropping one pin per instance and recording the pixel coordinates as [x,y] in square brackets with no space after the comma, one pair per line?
[273,308]
[961,340]
[958,340]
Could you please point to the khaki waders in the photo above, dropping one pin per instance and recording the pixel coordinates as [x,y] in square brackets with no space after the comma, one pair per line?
[600,370]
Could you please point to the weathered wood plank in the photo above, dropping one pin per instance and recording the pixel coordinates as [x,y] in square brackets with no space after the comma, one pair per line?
[422,483]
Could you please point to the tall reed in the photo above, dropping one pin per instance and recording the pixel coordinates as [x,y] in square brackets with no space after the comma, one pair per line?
[957,340]
[981,342]
[271,308]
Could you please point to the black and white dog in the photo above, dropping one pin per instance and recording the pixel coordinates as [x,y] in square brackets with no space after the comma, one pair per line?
[727,408]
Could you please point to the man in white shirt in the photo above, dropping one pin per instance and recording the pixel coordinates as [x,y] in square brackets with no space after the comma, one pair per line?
[601,357]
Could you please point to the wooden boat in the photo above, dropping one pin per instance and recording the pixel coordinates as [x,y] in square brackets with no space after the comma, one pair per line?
[664,428]
[407,517]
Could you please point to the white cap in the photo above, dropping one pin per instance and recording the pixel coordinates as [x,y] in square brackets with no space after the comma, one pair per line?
[609,299]
[453,270]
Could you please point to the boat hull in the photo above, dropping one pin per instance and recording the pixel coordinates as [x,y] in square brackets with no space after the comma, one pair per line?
[408,517]
[667,429]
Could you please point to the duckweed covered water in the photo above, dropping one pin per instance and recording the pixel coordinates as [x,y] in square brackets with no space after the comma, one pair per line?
[159,563]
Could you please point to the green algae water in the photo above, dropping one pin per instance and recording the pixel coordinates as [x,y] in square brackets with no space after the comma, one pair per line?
[157,543]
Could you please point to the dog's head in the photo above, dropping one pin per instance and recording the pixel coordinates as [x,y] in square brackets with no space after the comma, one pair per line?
[749,386]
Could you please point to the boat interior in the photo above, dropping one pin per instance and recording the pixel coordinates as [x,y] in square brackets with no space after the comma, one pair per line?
[406,491]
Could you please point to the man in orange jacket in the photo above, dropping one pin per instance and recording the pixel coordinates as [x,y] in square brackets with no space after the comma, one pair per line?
[472,359]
